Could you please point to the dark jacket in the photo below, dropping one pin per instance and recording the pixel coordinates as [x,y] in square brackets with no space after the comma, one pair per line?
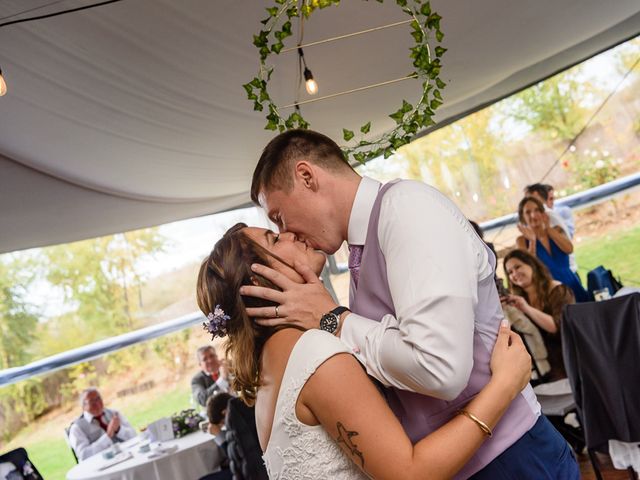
[203,387]
[243,446]
[601,348]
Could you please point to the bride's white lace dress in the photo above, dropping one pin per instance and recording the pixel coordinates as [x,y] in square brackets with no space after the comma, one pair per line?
[296,450]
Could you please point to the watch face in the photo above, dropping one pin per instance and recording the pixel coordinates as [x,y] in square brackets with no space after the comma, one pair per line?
[329,322]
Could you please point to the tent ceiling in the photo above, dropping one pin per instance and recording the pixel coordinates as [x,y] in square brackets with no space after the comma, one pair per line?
[132,114]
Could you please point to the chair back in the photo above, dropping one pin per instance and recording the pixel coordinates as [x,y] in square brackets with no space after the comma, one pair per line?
[24,466]
[601,349]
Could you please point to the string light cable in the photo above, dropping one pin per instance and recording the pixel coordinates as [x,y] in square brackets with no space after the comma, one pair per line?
[54,14]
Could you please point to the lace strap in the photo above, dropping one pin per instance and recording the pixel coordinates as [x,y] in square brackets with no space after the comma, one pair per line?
[311,350]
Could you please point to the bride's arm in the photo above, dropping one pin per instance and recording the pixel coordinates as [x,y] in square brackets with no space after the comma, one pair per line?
[345,402]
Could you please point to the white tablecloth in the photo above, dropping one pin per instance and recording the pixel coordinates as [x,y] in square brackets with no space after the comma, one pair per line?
[197,455]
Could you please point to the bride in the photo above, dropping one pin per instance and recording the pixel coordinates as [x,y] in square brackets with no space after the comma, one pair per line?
[318,414]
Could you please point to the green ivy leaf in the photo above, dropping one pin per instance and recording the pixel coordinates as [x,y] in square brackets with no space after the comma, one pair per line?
[271,126]
[366,128]
[286,28]
[417,36]
[425,9]
[292,12]
[439,35]
[401,3]
[397,116]
[277,47]
[347,134]
[273,11]
[406,106]
[437,94]
[359,157]
[440,51]
[440,83]
[434,104]
[264,96]
[306,10]
[257,106]
[248,88]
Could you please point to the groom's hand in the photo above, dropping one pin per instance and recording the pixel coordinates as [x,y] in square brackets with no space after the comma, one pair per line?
[299,304]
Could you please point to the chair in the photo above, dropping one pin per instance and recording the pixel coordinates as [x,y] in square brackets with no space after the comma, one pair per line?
[20,459]
[601,353]
[66,436]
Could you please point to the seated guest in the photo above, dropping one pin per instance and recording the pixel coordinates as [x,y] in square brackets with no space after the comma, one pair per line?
[540,298]
[238,438]
[97,428]
[216,412]
[213,377]
[549,244]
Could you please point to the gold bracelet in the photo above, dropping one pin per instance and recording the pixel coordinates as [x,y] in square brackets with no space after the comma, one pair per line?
[483,426]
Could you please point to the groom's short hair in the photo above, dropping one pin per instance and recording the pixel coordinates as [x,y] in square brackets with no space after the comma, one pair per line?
[274,169]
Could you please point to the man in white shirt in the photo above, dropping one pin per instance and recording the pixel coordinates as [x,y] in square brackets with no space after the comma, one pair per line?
[437,271]
[565,212]
[97,428]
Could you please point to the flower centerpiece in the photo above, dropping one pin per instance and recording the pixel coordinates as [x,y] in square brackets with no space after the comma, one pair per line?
[185,422]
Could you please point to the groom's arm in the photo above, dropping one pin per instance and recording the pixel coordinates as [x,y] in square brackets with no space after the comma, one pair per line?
[432,260]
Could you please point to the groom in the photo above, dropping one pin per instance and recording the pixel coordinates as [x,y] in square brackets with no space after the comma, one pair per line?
[424,310]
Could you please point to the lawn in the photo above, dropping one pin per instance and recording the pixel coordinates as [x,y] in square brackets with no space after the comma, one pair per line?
[618,252]
[48,449]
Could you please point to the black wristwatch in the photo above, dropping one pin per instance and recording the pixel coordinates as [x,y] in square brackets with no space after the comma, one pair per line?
[330,321]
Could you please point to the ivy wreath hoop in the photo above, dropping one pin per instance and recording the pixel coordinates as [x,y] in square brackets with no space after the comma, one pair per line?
[410,119]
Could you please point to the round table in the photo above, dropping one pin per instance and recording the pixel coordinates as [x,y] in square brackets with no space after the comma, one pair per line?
[197,454]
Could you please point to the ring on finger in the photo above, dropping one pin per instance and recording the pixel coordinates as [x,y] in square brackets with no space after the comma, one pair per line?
[277,311]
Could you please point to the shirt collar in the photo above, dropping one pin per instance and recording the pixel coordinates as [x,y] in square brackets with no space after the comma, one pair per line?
[88,417]
[361,210]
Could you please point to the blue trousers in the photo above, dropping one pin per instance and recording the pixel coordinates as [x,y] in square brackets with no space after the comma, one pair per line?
[540,454]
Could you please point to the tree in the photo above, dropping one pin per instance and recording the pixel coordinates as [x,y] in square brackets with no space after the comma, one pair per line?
[17,322]
[556,106]
[464,160]
[101,278]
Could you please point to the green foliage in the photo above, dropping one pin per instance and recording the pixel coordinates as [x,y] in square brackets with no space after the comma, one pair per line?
[409,119]
[17,323]
[591,168]
[102,278]
[173,350]
[554,107]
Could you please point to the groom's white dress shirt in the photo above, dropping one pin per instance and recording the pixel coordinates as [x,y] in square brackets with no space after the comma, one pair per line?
[434,261]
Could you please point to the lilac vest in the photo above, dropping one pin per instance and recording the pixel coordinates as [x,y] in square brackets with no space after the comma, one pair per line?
[419,414]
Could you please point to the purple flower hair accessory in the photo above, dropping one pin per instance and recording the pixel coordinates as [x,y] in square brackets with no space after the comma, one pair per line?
[217,322]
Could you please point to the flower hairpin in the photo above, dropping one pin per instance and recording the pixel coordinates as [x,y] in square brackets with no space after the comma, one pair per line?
[217,322]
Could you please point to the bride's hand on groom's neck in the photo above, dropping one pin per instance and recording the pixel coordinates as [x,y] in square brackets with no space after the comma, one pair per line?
[299,304]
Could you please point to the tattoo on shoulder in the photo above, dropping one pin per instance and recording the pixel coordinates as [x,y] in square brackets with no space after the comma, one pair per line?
[344,436]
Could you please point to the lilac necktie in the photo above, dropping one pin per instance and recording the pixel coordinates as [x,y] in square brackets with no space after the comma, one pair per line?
[355,257]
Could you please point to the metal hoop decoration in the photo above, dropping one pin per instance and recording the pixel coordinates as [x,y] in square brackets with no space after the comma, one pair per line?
[410,119]
[277,316]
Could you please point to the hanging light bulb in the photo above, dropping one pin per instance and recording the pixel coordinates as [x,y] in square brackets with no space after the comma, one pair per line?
[3,84]
[310,84]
